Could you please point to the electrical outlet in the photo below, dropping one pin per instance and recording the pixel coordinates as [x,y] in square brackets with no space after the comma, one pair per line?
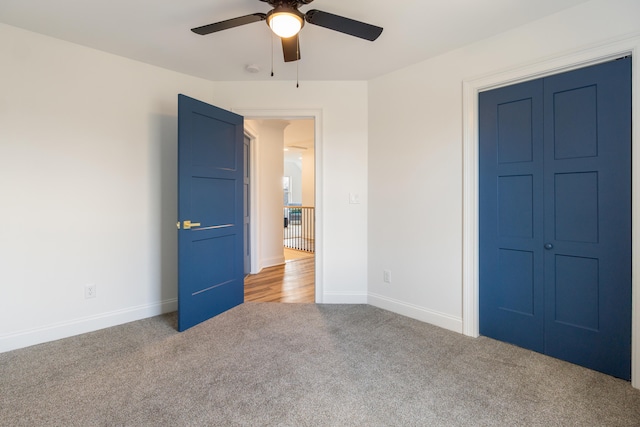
[386,276]
[89,291]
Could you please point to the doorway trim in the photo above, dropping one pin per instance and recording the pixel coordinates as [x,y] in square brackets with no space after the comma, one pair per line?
[293,114]
[579,58]
[254,210]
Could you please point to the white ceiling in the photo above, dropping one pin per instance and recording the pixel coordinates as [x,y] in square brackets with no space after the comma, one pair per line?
[157,32]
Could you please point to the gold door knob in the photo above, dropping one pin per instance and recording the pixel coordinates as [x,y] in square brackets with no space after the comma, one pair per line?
[188,225]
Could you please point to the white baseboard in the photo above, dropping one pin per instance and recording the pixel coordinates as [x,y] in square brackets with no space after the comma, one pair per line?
[344,298]
[271,262]
[70,328]
[419,313]
[66,329]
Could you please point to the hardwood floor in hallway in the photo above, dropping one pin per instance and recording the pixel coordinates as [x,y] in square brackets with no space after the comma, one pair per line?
[292,282]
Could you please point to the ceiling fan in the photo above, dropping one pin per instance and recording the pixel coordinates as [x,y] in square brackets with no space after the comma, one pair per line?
[285,20]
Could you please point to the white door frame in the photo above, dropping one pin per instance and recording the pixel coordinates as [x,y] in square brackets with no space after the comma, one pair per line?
[254,216]
[292,114]
[471,88]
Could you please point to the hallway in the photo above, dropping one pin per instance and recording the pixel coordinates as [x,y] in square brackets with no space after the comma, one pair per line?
[291,282]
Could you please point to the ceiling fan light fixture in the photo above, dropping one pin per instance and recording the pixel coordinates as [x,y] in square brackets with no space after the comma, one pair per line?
[285,22]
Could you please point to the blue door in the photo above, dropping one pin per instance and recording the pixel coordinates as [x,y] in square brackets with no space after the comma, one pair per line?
[210,211]
[511,239]
[555,216]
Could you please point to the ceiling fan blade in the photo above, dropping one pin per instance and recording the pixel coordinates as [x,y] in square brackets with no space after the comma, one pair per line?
[291,48]
[229,23]
[343,25]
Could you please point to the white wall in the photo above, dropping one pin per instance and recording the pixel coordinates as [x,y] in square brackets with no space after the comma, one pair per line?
[88,187]
[88,184]
[269,147]
[342,241]
[308,177]
[415,156]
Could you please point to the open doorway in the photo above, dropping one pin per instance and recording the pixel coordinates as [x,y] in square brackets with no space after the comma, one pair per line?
[283,216]
[298,185]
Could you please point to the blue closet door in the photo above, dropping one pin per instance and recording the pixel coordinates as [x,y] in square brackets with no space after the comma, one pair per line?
[587,230]
[555,216]
[511,234]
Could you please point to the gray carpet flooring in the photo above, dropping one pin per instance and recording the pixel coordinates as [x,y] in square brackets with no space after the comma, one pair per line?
[267,364]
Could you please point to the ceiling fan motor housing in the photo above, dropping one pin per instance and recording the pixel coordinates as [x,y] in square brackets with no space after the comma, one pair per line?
[291,3]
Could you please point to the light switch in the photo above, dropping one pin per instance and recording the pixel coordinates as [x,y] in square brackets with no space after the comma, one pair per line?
[354,198]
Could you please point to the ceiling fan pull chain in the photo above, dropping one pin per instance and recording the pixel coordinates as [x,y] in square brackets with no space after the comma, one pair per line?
[298,64]
[271,54]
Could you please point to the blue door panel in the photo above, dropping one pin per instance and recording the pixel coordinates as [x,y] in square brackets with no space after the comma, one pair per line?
[576,292]
[588,207]
[210,193]
[200,308]
[208,209]
[515,206]
[576,207]
[219,248]
[575,123]
[515,281]
[555,216]
[213,143]
[510,215]
[515,131]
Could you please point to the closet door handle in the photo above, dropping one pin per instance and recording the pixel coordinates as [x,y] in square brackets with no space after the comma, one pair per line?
[548,246]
